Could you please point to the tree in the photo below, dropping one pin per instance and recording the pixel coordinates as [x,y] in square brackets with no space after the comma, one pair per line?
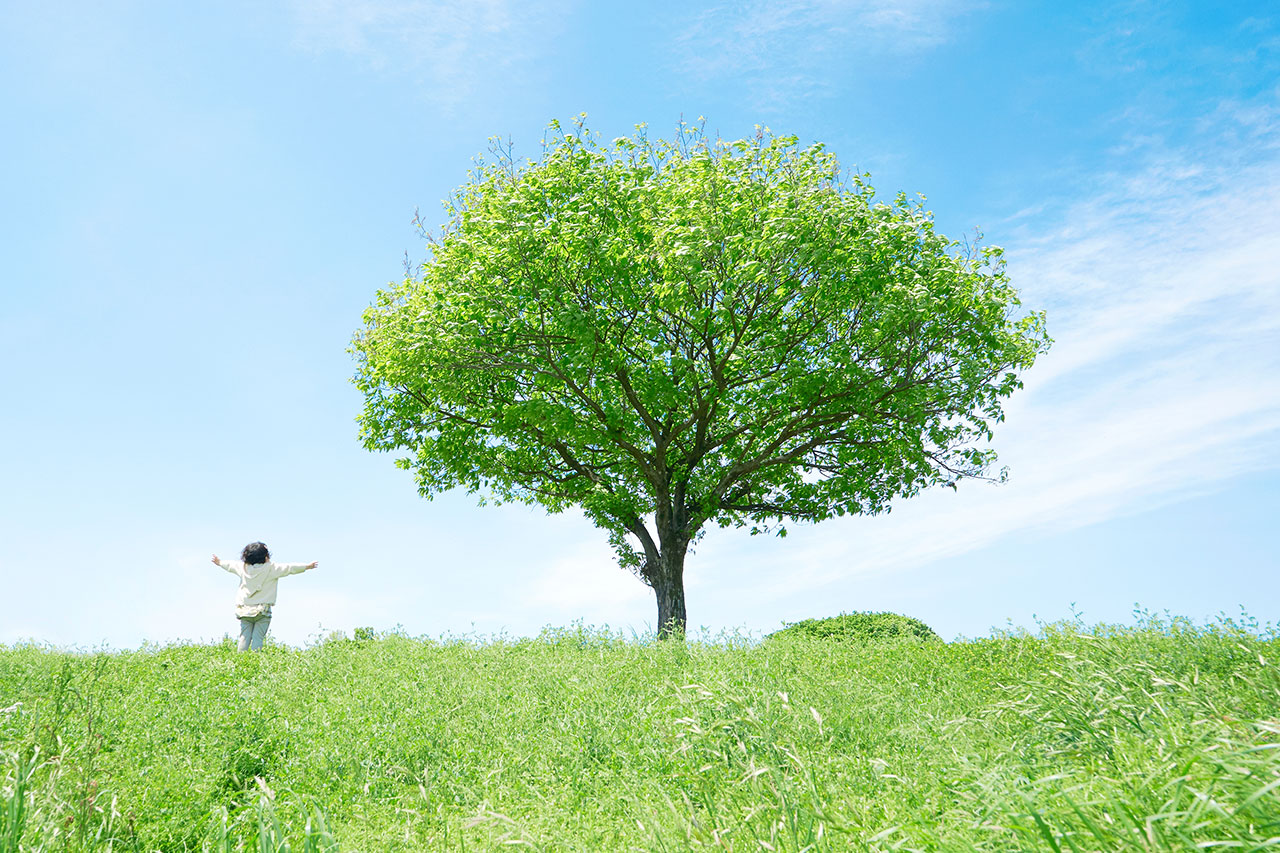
[671,334]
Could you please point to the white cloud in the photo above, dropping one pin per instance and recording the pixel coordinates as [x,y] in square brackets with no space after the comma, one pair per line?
[586,583]
[453,45]
[784,50]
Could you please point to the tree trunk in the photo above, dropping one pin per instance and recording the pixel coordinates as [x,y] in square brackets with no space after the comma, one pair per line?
[668,588]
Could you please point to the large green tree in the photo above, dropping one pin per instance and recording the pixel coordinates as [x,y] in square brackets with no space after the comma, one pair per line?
[671,334]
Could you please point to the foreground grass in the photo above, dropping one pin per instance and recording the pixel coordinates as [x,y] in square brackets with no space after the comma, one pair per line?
[1159,737]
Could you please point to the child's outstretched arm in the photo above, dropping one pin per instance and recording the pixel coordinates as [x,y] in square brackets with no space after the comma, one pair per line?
[223,565]
[283,569]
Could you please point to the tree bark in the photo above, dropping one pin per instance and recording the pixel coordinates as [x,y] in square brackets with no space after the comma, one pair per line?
[664,559]
[668,583]
[668,587]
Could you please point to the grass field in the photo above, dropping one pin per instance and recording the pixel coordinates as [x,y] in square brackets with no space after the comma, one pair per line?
[1164,736]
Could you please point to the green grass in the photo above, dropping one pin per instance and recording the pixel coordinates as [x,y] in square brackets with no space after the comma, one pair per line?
[1163,736]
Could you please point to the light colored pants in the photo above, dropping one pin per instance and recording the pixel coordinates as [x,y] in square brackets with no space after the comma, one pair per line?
[253,631]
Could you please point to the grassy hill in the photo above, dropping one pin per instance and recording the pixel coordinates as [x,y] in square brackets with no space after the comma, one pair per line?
[1164,736]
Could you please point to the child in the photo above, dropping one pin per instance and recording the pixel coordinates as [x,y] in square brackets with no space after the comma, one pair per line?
[258,577]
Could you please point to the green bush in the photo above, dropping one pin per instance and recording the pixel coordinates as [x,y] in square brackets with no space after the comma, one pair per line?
[858,627]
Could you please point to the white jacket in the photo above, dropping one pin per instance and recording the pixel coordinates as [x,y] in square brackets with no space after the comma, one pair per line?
[258,583]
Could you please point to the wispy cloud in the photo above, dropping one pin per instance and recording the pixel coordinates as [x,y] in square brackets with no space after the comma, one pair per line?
[782,50]
[452,45]
[585,583]
[1163,296]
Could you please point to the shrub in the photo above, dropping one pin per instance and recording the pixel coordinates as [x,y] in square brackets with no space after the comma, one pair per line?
[858,627]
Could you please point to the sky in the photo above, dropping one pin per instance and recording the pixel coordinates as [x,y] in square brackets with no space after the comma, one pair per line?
[200,199]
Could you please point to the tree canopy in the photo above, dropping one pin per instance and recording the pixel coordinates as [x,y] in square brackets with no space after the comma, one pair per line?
[668,334]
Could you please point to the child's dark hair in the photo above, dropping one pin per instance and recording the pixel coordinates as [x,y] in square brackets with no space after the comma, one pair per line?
[255,553]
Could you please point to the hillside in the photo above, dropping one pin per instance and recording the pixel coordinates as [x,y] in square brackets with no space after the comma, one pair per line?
[1163,736]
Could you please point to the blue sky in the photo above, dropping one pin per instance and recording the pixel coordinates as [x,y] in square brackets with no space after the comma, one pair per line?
[201,198]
